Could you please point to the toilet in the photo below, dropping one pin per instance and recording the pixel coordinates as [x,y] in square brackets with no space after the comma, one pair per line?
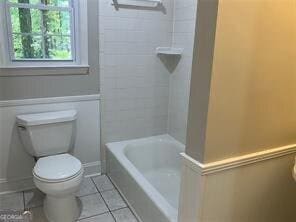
[48,137]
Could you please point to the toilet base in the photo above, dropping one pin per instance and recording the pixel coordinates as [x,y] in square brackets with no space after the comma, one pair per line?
[61,209]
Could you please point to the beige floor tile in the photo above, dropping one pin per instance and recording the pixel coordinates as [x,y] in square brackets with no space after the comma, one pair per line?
[124,215]
[33,198]
[13,201]
[103,183]
[92,205]
[107,217]
[87,187]
[113,199]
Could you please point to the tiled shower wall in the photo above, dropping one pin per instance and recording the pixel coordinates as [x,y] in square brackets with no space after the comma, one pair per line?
[183,37]
[134,81]
[141,95]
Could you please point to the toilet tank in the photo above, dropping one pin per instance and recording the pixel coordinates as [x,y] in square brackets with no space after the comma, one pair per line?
[45,134]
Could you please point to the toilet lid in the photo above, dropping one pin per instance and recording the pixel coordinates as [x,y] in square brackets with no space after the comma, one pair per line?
[57,167]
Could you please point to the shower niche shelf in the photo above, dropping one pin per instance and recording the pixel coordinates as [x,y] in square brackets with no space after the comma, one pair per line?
[169,51]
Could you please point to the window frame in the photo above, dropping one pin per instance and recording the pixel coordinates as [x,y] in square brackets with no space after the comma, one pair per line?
[40,6]
[77,66]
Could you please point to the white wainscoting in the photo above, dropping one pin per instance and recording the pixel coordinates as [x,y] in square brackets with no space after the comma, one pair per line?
[255,187]
[16,165]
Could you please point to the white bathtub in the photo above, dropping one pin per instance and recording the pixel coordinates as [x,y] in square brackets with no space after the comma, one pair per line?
[147,173]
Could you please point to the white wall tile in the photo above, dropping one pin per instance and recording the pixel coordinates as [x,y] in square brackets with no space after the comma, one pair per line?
[135,84]
[140,97]
[183,37]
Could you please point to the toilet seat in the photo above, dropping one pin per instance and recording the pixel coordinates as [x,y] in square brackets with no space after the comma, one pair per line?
[57,168]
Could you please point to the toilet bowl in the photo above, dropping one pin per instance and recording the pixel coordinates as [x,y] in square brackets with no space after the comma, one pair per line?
[59,177]
[49,137]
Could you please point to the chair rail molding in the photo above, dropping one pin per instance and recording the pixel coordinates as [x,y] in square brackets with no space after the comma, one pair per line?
[239,161]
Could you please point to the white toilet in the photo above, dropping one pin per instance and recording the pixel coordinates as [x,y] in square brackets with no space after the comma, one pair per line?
[48,137]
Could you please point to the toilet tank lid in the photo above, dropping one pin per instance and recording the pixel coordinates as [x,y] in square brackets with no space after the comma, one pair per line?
[46,118]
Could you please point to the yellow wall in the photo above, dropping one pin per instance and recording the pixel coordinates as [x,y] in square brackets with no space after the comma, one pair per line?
[253,90]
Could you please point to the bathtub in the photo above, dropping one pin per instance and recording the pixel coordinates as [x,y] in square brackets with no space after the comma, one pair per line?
[147,173]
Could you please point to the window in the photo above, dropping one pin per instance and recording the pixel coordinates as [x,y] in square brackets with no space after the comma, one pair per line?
[43,37]
[41,30]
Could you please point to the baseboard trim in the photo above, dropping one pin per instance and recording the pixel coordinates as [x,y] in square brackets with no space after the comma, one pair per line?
[49,100]
[92,169]
[26,183]
[16,185]
[235,162]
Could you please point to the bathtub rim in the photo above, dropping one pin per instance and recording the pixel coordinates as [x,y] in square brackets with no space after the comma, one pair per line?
[118,151]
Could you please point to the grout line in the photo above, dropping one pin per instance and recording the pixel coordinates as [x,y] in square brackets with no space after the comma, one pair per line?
[87,194]
[101,197]
[122,199]
[118,192]
[24,203]
[98,192]
[113,216]
[116,210]
[107,206]
[127,206]
[173,23]
[107,190]
[98,188]
[120,209]
[103,200]
[93,216]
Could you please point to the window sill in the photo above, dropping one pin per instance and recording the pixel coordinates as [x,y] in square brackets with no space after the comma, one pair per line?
[44,70]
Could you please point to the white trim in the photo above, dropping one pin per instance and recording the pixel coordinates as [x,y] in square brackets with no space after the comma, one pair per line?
[16,185]
[24,102]
[41,7]
[4,58]
[78,65]
[92,169]
[192,163]
[81,30]
[235,162]
[44,70]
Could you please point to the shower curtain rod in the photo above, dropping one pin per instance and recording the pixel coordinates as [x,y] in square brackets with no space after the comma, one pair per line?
[128,2]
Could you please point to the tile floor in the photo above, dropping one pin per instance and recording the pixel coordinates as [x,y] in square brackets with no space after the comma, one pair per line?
[101,202]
